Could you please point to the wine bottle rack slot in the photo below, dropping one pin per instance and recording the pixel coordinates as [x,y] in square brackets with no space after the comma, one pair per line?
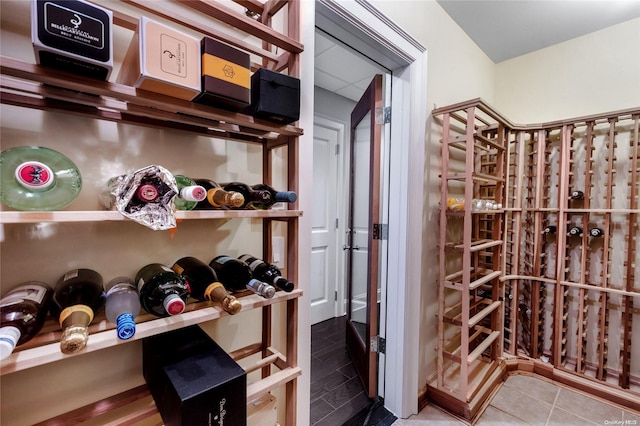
[558,263]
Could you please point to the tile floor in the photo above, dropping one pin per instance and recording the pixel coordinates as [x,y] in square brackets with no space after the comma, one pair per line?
[525,400]
[337,394]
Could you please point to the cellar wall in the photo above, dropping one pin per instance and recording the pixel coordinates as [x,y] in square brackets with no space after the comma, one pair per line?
[585,75]
[45,251]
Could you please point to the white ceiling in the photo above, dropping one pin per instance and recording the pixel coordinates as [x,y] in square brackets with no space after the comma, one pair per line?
[340,69]
[504,29]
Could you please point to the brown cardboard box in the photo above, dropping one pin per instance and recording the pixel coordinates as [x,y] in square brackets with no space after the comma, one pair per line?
[163,60]
[226,76]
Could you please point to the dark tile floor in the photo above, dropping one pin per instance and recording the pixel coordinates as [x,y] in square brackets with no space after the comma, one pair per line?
[337,393]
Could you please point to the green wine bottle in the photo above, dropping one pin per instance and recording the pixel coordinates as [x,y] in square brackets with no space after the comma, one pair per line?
[37,178]
[189,193]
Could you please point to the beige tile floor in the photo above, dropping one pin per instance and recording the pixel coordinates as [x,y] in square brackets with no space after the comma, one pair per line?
[525,400]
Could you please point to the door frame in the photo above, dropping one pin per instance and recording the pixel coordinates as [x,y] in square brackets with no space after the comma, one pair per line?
[360,25]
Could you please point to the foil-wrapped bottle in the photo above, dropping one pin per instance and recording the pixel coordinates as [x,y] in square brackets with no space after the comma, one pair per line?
[145,196]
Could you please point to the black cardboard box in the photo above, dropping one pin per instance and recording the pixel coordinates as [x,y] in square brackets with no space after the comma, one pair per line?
[74,36]
[226,76]
[275,96]
[193,381]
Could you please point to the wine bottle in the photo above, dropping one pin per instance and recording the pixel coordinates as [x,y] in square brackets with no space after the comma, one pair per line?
[37,178]
[77,297]
[267,272]
[204,283]
[551,229]
[145,195]
[217,198]
[189,193]
[276,196]
[596,232]
[236,276]
[575,231]
[23,311]
[577,195]
[162,291]
[260,196]
[122,306]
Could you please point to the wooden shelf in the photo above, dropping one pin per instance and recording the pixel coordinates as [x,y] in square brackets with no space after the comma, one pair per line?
[36,87]
[136,407]
[45,347]
[25,85]
[483,276]
[108,215]
[475,245]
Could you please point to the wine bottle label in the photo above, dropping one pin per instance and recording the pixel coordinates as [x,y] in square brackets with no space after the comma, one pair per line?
[71,274]
[32,292]
[76,314]
[253,265]
[223,259]
[178,269]
[34,175]
[124,286]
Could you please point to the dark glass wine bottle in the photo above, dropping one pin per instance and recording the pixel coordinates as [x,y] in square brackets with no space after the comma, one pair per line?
[577,195]
[77,297]
[204,285]
[236,276]
[260,196]
[575,231]
[217,198]
[596,232]
[23,311]
[162,291]
[551,229]
[267,272]
[276,196]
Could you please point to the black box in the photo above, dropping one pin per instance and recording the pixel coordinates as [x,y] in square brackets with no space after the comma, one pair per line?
[226,76]
[74,36]
[275,96]
[193,381]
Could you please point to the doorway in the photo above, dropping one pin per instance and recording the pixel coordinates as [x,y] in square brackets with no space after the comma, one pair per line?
[341,224]
[336,94]
[375,36]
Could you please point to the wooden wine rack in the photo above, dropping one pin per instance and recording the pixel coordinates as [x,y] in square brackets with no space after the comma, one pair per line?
[563,295]
[26,85]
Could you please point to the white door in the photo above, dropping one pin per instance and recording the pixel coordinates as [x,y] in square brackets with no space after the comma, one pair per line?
[325,289]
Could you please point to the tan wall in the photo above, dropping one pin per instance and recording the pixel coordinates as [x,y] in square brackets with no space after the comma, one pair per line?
[591,74]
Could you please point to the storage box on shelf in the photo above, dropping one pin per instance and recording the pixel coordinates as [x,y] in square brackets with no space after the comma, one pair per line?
[32,86]
[557,286]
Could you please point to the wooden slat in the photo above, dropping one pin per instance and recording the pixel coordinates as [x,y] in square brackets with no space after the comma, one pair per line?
[50,351]
[483,346]
[244,23]
[483,313]
[61,216]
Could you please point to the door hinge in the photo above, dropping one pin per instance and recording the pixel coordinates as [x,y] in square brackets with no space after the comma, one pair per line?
[383,115]
[337,149]
[336,223]
[378,344]
[380,231]
[335,296]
